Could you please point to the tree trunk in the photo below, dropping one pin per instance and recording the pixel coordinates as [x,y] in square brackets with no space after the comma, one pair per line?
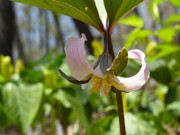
[46,23]
[58,34]
[41,30]
[19,45]
[7,25]
[83,28]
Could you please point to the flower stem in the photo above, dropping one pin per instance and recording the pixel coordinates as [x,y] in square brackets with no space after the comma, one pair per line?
[118,94]
[120,113]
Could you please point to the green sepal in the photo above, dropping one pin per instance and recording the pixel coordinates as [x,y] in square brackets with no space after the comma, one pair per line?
[120,62]
[71,79]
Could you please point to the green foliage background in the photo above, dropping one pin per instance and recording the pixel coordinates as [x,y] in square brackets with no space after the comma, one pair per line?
[29,95]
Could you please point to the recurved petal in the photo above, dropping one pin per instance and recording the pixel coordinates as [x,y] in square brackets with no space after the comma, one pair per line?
[76,58]
[137,81]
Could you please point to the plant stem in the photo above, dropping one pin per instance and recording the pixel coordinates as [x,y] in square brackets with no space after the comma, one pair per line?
[118,94]
[120,113]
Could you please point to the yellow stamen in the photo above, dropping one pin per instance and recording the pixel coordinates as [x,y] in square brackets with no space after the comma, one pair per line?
[97,84]
[117,86]
[103,84]
[106,86]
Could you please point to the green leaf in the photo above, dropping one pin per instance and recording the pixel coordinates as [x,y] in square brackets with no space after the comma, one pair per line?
[100,126]
[132,20]
[83,10]
[164,50]
[155,10]
[135,125]
[120,62]
[77,105]
[158,1]
[31,75]
[118,8]
[172,19]
[131,37]
[140,128]
[61,97]
[102,11]
[21,103]
[6,68]
[160,72]
[3,117]
[166,34]
[176,3]
[137,37]
[174,107]
[144,33]
[173,94]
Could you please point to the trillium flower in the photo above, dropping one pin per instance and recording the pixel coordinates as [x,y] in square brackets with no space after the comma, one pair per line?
[94,78]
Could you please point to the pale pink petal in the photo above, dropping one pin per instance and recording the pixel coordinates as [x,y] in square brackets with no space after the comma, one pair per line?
[76,58]
[137,81]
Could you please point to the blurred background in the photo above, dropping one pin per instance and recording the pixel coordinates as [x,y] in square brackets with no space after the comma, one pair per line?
[35,100]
